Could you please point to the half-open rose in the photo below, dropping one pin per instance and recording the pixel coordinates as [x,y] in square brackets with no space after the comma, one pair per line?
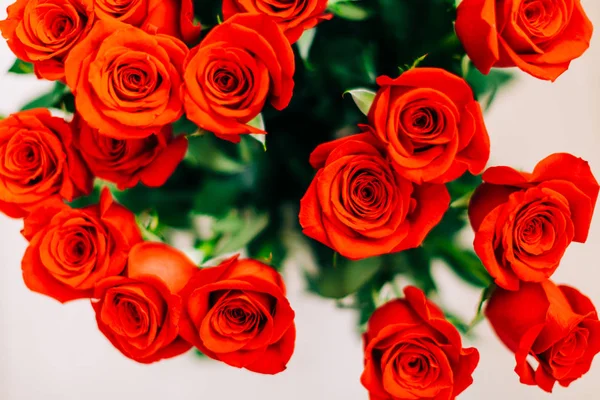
[431,125]
[43,32]
[555,326]
[126,81]
[412,352]
[139,312]
[237,67]
[541,37]
[237,313]
[38,162]
[360,206]
[70,250]
[524,222]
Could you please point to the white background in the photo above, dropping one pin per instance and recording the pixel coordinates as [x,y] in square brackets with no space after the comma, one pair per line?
[55,352]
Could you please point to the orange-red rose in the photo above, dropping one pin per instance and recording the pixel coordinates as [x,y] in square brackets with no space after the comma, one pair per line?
[541,37]
[412,352]
[431,124]
[139,312]
[126,82]
[44,31]
[126,162]
[524,222]
[171,17]
[38,162]
[556,325]
[241,64]
[70,250]
[237,313]
[360,206]
[293,17]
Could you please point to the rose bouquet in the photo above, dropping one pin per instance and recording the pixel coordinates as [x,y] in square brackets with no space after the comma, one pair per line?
[353,127]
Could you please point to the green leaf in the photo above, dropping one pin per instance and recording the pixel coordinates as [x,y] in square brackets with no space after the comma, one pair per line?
[238,231]
[204,152]
[184,126]
[259,123]
[463,201]
[349,10]
[217,196]
[479,316]
[305,43]
[363,98]
[21,67]
[415,64]
[486,86]
[346,278]
[464,263]
[52,99]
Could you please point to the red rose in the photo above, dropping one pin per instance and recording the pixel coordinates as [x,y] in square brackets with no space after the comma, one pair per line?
[556,325]
[431,125]
[293,17]
[70,250]
[126,162]
[524,222]
[412,352]
[139,312]
[43,32]
[241,64]
[126,81]
[360,206]
[237,313]
[38,163]
[541,37]
[171,17]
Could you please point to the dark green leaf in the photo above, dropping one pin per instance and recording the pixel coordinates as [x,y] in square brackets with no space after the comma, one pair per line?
[464,263]
[346,278]
[51,99]
[349,9]
[238,230]
[204,152]
[21,67]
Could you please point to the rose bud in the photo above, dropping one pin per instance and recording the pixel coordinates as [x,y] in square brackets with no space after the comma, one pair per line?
[237,313]
[360,206]
[540,37]
[431,125]
[524,222]
[70,250]
[39,163]
[412,352]
[556,325]
[43,32]
[140,312]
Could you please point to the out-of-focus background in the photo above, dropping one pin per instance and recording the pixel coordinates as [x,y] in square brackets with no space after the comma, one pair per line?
[55,352]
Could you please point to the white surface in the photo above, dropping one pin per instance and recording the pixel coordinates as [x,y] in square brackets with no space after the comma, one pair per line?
[54,352]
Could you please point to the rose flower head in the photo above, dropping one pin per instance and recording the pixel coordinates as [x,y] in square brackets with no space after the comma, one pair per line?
[412,352]
[38,163]
[237,313]
[360,206]
[524,222]
[70,250]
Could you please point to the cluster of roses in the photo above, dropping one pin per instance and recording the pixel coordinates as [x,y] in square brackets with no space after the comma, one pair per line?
[382,191]
[132,76]
[377,192]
